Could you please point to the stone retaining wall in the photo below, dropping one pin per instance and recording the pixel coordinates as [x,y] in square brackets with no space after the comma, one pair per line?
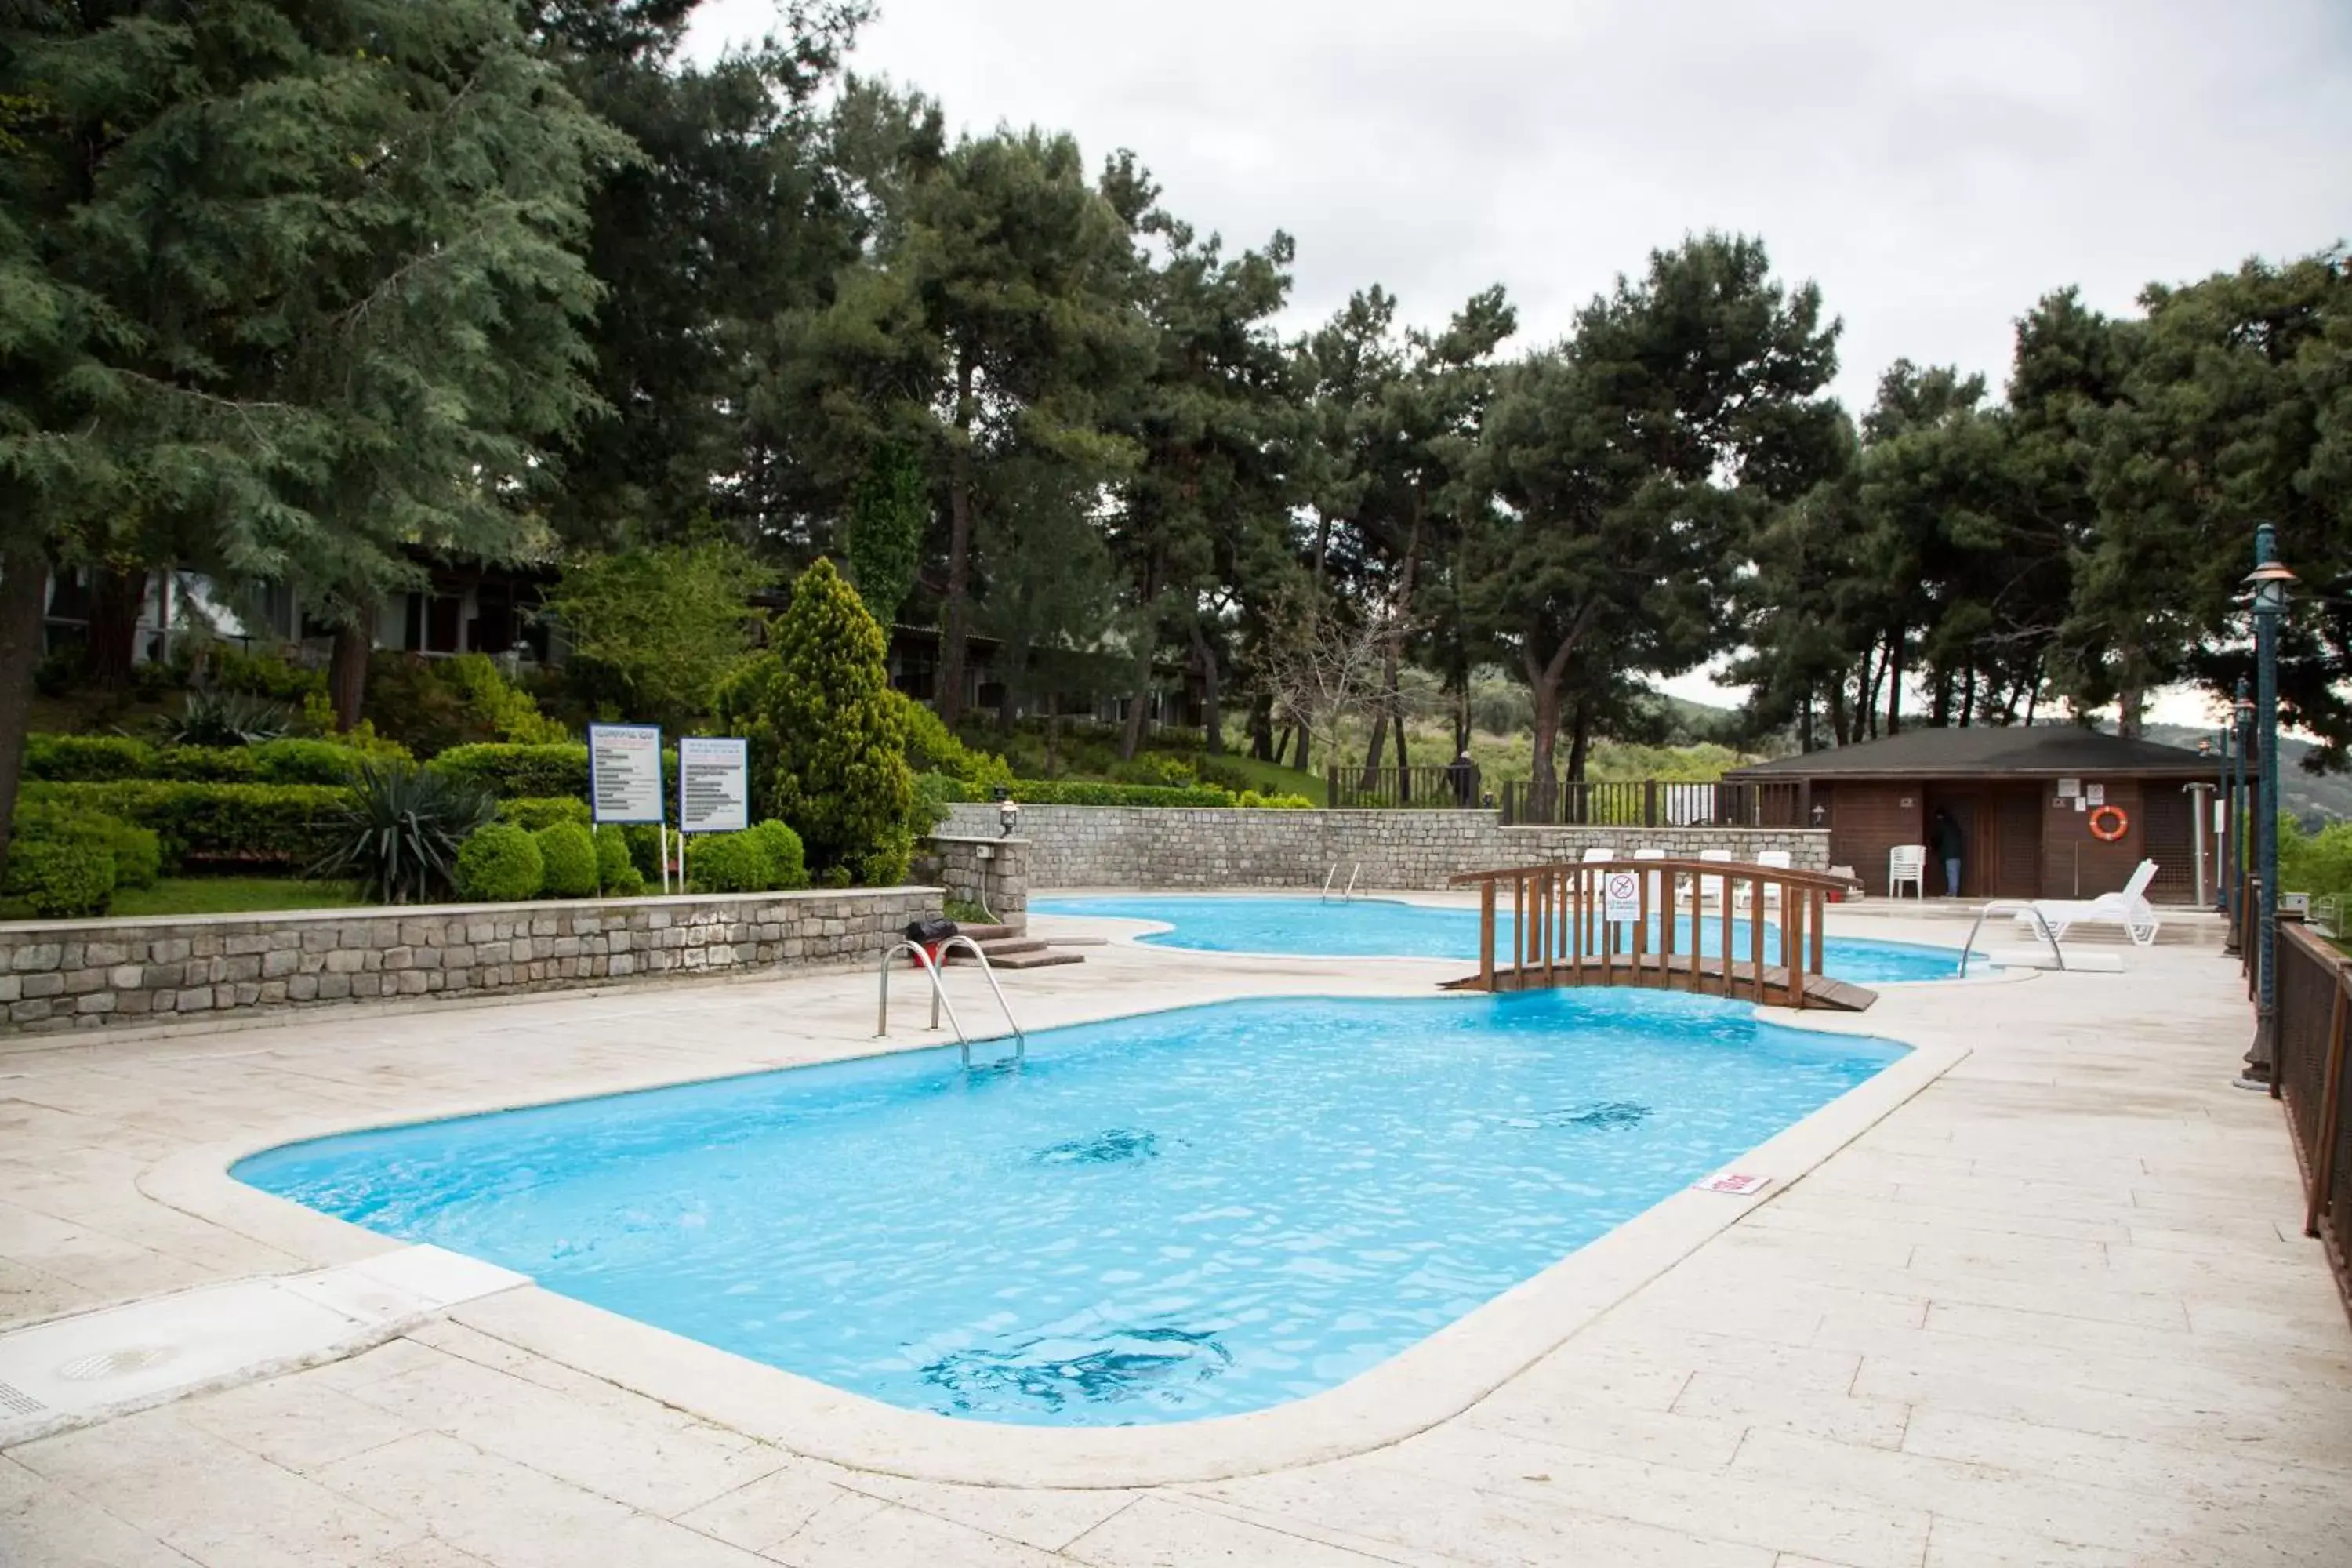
[68,974]
[1140,847]
[983,869]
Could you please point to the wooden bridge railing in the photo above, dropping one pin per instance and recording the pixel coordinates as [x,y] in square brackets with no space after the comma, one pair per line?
[1560,933]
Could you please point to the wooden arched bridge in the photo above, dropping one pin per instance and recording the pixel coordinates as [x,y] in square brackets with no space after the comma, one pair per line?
[1726,928]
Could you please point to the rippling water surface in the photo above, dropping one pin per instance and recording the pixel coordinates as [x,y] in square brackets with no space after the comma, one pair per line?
[1189,1214]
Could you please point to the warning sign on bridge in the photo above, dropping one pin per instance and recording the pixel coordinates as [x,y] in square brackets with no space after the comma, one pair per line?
[1620,897]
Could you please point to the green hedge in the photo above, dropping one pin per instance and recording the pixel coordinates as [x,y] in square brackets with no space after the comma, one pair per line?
[105,759]
[539,772]
[1079,792]
[246,823]
[534,813]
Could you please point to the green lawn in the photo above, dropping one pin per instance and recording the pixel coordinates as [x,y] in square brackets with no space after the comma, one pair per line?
[1269,778]
[216,896]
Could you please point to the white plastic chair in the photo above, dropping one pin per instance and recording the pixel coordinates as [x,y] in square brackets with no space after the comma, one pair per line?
[1658,879]
[2129,909]
[1710,889]
[1907,863]
[1779,860]
[1596,855]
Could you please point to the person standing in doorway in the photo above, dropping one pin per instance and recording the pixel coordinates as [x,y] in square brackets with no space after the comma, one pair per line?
[1952,847]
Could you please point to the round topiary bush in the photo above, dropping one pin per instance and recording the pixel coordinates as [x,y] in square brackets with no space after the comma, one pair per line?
[727,863]
[62,879]
[616,873]
[786,867]
[569,858]
[532,813]
[500,865]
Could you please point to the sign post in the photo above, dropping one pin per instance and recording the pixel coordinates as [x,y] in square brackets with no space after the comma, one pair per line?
[624,779]
[714,785]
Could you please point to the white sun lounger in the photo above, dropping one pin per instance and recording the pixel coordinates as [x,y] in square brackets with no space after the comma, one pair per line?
[2129,909]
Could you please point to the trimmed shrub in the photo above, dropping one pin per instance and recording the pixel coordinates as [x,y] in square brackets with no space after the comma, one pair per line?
[62,879]
[1250,799]
[727,863]
[787,867]
[567,857]
[138,853]
[616,873]
[398,830]
[532,813]
[250,824]
[499,864]
[88,759]
[515,772]
[645,849]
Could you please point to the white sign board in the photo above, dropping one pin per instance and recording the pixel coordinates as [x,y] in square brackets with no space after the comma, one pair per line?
[1620,897]
[714,785]
[625,773]
[2069,788]
[1740,1183]
[2095,795]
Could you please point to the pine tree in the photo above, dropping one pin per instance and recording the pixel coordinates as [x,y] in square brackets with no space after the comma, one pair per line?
[294,288]
[841,780]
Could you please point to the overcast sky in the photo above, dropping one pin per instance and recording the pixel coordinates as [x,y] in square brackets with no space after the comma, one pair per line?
[1935,169]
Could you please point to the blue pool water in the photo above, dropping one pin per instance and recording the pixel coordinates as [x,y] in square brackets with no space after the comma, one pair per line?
[1188,1213]
[1386,928]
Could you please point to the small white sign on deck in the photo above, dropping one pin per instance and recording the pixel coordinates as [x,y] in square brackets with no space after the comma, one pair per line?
[1740,1183]
[1621,897]
[714,785]
[625,773]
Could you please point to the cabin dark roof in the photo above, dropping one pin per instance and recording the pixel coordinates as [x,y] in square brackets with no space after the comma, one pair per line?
[2042,751]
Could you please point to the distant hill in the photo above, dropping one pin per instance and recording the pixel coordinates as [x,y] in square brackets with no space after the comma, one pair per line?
[2316,799]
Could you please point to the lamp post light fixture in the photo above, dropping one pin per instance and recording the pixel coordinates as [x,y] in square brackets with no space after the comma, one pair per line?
[2268,584]
[1008,817]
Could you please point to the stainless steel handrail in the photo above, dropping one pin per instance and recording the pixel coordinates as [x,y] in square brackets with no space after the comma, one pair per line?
[931,968]
[2010,907]
[938,994]
[1349,896]
[988,972]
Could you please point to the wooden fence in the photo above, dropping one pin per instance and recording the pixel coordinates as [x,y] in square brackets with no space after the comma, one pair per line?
[2308,1062]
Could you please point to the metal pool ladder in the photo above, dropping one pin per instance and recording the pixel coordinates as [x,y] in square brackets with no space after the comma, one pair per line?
[1347,897]
[939,993]
[2008,906]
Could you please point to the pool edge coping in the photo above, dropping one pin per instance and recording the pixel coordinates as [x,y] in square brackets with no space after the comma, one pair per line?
[1430,1381]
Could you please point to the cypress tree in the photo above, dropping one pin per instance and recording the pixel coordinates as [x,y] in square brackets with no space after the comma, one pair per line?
[841,781]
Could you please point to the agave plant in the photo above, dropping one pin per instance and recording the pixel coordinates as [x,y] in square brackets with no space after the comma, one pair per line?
[399,829]
[227,719]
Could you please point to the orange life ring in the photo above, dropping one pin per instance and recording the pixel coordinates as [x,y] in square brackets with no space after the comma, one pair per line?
[2117,826]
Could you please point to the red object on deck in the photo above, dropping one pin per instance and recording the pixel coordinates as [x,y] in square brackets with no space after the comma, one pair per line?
[932,949]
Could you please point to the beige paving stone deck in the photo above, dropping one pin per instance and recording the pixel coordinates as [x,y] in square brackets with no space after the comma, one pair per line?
[2055,1309]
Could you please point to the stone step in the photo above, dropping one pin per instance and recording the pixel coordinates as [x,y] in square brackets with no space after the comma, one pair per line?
[1045,959]
[985,934]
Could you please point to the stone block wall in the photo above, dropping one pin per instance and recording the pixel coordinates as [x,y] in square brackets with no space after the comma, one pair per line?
[981,868]
[1137,846]
[71,974]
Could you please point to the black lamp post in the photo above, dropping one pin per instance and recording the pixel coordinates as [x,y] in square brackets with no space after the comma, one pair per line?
[2268,581]
[2242,810]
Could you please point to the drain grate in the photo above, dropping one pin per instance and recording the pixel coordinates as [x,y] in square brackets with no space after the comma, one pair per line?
[114,1364]
[15,1401]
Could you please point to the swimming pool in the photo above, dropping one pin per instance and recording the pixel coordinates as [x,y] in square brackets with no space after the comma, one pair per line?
[1389,928]
[1156,1219]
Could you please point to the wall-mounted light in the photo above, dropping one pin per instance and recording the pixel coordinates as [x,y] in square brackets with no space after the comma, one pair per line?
[1821,815]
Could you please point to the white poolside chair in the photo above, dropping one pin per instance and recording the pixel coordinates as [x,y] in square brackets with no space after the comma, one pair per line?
[1658,879]
[1596,855]
[1907,863]
[2129,909]
[1779,860]
[1710,889]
